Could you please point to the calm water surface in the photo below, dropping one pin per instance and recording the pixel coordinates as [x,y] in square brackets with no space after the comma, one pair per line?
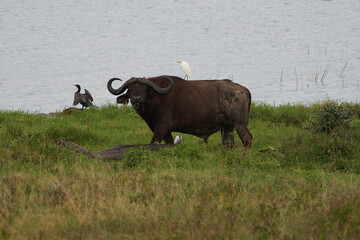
[283,51]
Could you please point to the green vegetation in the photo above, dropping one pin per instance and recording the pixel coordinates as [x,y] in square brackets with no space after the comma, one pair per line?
[300,179]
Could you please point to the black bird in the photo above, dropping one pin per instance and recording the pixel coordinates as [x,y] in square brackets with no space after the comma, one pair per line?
[85,99]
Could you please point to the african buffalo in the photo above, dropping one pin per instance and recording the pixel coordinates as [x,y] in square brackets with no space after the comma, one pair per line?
[201,108]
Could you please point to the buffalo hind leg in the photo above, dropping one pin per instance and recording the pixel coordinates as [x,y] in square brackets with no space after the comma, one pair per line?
[227,138]
[244,135]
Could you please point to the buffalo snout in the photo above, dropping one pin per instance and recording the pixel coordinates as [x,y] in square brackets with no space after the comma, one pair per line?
[136,99]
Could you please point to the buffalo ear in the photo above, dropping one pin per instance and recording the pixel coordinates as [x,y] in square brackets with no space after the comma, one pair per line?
[123,99]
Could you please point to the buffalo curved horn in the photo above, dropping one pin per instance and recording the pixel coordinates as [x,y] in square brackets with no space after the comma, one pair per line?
[121,89]
[156,88]
[144,81]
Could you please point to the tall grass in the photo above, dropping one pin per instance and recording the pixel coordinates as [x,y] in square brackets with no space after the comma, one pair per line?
[308,187]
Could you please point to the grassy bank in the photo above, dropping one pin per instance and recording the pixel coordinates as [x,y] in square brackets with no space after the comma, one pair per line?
[300,179]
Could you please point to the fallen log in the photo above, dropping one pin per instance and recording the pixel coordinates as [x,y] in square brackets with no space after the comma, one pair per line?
[76,148]
[114,153]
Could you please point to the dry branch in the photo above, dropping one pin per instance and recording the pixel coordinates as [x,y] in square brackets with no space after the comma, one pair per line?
[114,153]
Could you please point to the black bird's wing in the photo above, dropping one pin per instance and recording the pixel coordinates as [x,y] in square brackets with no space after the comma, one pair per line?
[88,95]
[77,98]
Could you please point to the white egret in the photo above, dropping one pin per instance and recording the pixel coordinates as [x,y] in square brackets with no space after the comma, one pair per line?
[186,68]
[178,139]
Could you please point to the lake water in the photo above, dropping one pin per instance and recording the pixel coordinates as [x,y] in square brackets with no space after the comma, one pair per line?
[284,51]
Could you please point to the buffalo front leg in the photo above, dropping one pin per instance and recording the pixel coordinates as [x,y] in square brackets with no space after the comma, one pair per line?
[162,133]
[169,139]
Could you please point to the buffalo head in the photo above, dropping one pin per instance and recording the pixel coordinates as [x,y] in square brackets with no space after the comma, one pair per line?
[137,89]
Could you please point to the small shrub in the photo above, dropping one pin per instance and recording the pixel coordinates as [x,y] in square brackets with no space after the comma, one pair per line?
[135,157]
[331,117]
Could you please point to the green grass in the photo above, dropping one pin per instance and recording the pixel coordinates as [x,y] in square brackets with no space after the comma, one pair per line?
[308,188]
